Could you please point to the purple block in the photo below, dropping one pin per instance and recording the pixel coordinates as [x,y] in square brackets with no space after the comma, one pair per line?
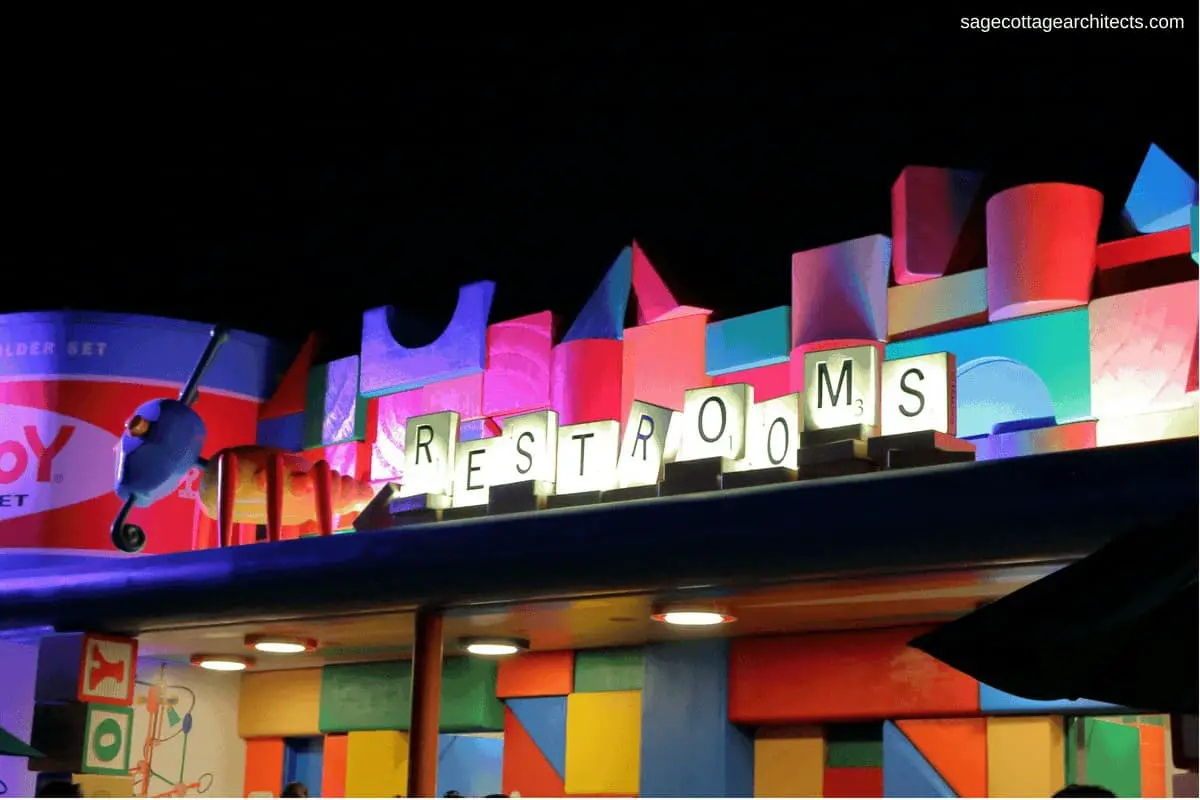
[840,291]
[18,677]
[461,349]
[930,209]
[341,401]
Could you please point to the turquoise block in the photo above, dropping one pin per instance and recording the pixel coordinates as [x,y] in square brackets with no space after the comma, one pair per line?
[1021,369]
[1161,194]
[689,747]
[545,720]
[754,340]
[907,773]
[996,702]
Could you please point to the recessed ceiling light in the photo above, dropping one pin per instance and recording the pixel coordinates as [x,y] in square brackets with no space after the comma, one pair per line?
[281,645]
[494,647]
[693,618]
[222,663]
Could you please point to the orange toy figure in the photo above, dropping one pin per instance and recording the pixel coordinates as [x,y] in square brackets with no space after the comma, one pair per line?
[266,485]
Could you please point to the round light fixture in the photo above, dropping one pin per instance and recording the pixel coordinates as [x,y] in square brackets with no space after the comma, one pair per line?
[494,648]
[222,663]
[693,617]
[281,645]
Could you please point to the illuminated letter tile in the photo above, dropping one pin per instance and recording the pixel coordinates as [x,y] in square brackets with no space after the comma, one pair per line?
[586,380]
[773,433]
[930,211]
[587,457]
[392,413]
[918,394]
[1041,243]
[517,377]
[461,349]
[603,317]
[429,448]
[474,465]
[1161,195]
[842,388]
[1143,349]
[840,291]
[335,412]
[604,742]
[942,304]
[754,340]
[529,450]
[643,444]
[714,422]
[662,360]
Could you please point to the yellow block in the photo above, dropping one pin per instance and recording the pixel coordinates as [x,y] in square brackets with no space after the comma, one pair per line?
[104,785]
[376,763]
[789,762]
[280,703]
[1024,756]
[604,743]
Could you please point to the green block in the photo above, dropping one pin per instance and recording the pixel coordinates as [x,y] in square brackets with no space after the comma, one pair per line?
[1113,757]
[615,670]
[854,745]
[378,696]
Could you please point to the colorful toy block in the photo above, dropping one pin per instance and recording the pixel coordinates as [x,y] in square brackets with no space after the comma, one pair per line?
[853,782]
[463,395]
[604,742]
[609,670]
[995,702]
[280,703]
[662,360]
[1024,756]
[461,349]
[517,377]
[906,772]
[655,303]
[376,764]
[768,382]
[1162,194]
[391,414]
[1143,262]
[840,291]
[333,765]
[526,768]
[1034,441]
[335,413]
[861,675]
[937,305]
[854,744]
[585,380]
[545,720]
[544,673]
[955,748]
[264,767]
[286,433]
[753,340]
[689,746]
[1153,752]
[931,208]
[1143,349]
[470,765]
[1196,234]
[1041,246]
[789,762]
[86,667]
[82,737]
[291,396]
[603,316]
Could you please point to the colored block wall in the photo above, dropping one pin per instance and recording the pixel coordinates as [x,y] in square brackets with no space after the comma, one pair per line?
[282,703]
[376,763]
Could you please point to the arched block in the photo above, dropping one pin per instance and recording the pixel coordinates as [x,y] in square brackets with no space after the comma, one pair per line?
[840,291]
[461,349]
[585,380]
[1161,196]
[930,211]
[1041,245]
[603,316]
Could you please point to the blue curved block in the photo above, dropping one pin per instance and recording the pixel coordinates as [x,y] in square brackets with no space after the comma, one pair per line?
[545,720]
[388,366]
[1162,194]
[603,316]
[151,467]
[907,773]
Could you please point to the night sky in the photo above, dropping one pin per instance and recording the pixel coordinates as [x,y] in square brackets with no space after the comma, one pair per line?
[288,182]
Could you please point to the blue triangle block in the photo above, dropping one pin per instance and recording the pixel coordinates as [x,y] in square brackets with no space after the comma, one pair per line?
[603,316]
[1162,194]
[907,773]
[545,720]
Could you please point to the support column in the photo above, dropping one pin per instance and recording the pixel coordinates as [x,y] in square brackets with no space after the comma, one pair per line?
[426,705]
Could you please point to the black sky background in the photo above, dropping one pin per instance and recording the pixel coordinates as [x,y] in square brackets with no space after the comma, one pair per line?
[285,182]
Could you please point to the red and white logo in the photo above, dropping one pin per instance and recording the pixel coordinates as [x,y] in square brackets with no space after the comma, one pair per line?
[49,460]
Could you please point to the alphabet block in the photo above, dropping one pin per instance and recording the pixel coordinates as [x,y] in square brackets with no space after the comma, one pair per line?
[1041,241]
[529,449]
[517,377]
[461,349]
[587,457]
[843,388]
[918,394]
[773,433]
[714,422]
[603,316]
[754,340]
[586,380]
[86,667]
[1161,196]
[334,412]
[662,360]
[429,442]
[392,413]
[82,737]
[941,304]
[474,467]
[931,207]
[642,445]
[840,291]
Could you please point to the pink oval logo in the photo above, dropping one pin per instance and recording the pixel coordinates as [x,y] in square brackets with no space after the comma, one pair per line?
[49,460]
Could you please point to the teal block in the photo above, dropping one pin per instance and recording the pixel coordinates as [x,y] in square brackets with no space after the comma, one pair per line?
[854,745]
[612,670]
[754,340]
[1020,369]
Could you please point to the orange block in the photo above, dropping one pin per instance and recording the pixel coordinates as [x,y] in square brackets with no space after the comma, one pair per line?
[333,766]
[956,748]
[853,782]
[663,360]
[525,769]
[831,677]
[769,382]
[264,766]
[1152,742]
[545,674]
[291,396]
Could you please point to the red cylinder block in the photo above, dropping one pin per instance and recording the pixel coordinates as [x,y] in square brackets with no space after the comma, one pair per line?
[585,380]
[1041,242]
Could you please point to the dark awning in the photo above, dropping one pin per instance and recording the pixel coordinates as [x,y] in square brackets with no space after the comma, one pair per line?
[1050,508]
